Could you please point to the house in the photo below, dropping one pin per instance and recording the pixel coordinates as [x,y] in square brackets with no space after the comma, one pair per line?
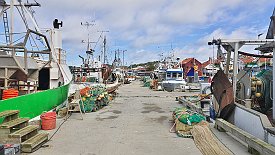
[264,62]
[141,71]
[190,65]
[245,61]
[208,68]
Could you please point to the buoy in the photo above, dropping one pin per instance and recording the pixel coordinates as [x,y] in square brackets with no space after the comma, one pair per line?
[253,78]
[258,94]
[253,83]
[259,83]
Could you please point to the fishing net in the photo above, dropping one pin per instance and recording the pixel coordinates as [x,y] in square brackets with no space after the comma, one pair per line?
[188,117]
[94,98]
[206,142]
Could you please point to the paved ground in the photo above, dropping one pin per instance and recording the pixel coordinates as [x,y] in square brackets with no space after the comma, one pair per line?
[137,122]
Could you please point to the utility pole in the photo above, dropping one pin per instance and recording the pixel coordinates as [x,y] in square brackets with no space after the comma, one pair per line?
[123,57]
[118,58]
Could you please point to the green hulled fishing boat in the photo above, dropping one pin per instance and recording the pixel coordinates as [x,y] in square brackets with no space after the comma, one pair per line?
[30,64]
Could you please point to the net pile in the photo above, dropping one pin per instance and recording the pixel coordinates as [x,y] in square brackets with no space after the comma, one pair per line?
[206,142]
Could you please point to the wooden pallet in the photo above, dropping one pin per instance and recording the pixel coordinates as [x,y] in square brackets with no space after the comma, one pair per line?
[34,142]
[25,133]
[17,130]
[9,115]
[14,123]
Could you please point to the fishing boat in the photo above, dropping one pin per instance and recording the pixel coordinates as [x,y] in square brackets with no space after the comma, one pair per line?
[34,76]
[174,80]
[94,72]
[245,97]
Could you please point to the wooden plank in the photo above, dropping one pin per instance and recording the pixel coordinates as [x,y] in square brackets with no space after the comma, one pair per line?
[8,113]
[14,123]
[33,143]
[254,143]
[24,131]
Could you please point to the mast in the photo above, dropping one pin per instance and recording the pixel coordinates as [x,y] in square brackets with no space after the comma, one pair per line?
[87,24]
[104,51]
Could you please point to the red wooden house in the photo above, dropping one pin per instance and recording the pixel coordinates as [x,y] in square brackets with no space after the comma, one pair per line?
[190,65]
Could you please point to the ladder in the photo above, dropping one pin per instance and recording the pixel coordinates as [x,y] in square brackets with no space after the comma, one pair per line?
[6,27]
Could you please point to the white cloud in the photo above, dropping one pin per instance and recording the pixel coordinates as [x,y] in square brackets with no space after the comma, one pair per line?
[137,24]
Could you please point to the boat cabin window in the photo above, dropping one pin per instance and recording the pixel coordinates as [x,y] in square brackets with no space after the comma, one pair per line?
[168,74]
[179,75]
[174,75]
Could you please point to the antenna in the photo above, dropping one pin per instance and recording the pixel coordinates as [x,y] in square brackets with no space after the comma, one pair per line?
[87,25]
[88,51]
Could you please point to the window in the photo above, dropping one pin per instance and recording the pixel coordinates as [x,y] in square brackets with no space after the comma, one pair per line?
[168,74]
[179,75]
[174,75]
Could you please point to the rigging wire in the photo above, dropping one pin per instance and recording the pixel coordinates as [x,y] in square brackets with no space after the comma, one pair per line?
[23,16]
[98,39]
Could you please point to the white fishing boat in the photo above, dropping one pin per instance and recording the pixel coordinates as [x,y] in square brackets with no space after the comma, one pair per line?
[174,80]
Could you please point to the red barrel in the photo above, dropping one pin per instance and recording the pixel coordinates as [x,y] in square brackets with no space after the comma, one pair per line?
[9,93]
[48,121]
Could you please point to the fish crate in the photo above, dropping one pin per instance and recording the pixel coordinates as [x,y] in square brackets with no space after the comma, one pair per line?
[10,149]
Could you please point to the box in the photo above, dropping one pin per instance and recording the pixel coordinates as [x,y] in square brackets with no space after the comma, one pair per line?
[2,150]
[12,149]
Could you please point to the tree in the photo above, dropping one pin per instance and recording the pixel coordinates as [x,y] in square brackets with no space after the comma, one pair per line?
[150,67]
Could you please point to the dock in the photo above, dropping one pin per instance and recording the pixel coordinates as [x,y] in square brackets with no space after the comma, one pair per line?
[137,122]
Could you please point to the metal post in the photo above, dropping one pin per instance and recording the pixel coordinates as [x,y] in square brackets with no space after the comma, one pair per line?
[11,25]
[6,78]
[59,55]
[273,92]
[104,51]
[235,67]
[26,61]
[29,89]
[227,62]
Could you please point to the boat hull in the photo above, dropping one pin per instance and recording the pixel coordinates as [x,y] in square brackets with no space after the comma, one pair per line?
[173,85]
[32,105]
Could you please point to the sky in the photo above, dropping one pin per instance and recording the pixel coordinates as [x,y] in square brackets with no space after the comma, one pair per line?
[150,28]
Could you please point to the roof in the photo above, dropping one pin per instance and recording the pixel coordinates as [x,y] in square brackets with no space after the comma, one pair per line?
[185,61]
[209,61]
[247,59]
[206,63]
[264,60]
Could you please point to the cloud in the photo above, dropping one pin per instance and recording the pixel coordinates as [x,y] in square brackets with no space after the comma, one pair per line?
[202,51]
[144,25]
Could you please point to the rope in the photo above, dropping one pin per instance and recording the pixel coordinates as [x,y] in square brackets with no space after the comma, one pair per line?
[58,128]
[201,98]
[207,143]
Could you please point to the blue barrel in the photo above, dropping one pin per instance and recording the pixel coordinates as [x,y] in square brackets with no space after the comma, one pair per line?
[212,112]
